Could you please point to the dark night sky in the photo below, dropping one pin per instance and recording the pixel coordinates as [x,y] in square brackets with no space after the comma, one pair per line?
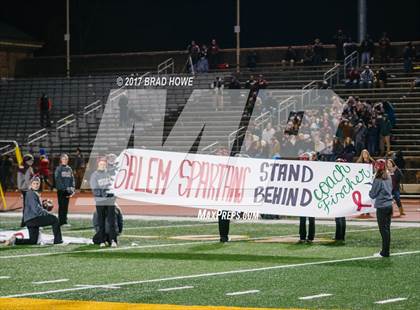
[103,26]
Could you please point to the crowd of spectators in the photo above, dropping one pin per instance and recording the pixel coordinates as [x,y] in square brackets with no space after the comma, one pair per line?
[338,130]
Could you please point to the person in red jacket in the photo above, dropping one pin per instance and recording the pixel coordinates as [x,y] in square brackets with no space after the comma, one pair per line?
[45,105]
[44,171]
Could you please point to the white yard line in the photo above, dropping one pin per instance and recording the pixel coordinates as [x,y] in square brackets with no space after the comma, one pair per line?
[387,301]
[314,296]
[212,274]
[175,288]
[51,281]
[4,277]
[242,293]
[98,286]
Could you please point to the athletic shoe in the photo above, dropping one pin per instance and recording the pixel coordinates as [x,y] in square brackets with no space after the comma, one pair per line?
[302,241]
[380,255]
[113,244]
[309,241]
[11,241]
[102,245]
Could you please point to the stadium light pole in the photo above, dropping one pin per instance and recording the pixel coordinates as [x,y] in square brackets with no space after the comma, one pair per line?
[67,38]
[362,20]
[237,31]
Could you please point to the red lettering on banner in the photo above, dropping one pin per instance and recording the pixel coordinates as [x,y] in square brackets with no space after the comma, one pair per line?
[187,190]
[138,188]
[150,174]
[214,173]
[203,177]
[122,173]
[132,169]
[163,175]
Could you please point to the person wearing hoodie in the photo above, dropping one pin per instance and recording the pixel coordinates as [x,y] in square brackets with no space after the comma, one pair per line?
[35,216]
[100,182]
[381,191]
[65,184]
[24,176]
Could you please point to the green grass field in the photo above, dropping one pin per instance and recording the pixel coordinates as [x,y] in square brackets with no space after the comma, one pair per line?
[278,273]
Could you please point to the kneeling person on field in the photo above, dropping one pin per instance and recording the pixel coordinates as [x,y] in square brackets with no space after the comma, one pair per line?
[36,216]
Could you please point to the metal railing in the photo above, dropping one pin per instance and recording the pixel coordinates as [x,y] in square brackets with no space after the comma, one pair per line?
[351,60]
[4,150]
[234,135]
[65,121]
[283,109]
[332,76]
[263,118]
[37,135]
[211,147]
[310,93]
[168,64]
[92,110]
[92,104]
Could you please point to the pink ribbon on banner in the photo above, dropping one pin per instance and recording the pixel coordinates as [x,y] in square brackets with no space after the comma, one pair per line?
[357,199]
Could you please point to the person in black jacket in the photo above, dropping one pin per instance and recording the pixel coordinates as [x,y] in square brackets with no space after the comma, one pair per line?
[396,176]
[65,184]
[36,216]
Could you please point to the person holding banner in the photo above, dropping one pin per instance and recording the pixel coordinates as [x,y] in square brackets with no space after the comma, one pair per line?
[381,191]
[100,182]
[366,158]
[340,222]
[302,220]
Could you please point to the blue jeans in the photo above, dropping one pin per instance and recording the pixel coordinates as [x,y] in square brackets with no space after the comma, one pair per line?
[396,195]
[365,58]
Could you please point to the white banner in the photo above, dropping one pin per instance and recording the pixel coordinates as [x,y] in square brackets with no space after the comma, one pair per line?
[283,187]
